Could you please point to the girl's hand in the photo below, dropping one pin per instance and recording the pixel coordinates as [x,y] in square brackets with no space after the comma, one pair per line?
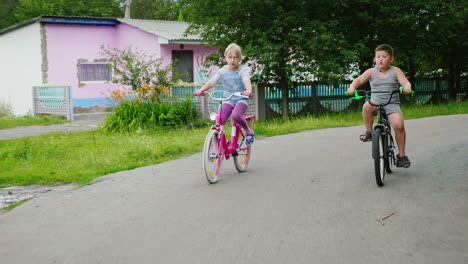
[350,91]
[198,92]
[246,93]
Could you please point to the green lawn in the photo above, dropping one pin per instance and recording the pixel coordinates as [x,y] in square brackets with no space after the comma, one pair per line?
[81,157]
[11,121]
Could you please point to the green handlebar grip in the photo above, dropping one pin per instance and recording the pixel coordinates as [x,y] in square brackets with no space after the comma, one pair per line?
[401,88]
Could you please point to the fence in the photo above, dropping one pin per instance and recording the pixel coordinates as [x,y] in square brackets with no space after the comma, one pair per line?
[203,103]
[314,97]
[53,100]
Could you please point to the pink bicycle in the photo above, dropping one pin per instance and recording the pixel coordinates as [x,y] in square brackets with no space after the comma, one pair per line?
[217,148]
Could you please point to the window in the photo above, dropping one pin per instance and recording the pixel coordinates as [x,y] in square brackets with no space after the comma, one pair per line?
[91,72]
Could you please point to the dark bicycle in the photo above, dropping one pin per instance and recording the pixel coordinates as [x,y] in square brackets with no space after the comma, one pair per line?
[383,146]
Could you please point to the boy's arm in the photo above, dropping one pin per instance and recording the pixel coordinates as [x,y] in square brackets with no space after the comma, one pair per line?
[360,81]
[403,80]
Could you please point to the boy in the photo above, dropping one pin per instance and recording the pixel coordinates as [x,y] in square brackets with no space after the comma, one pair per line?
[384,77]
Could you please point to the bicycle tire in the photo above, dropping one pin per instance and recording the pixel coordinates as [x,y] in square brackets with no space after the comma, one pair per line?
[378,150]
[390,159]
[212,156]
[243,154]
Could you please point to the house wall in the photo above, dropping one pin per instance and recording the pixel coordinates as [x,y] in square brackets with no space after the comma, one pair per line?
[67,45]
[32,56]
[20,67]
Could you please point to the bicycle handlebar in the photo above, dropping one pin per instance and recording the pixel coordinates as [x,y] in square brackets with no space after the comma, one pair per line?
[367,95]
[223,99]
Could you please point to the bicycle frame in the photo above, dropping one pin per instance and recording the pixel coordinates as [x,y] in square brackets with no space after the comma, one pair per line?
[382,139]
[217,148]
[229,146]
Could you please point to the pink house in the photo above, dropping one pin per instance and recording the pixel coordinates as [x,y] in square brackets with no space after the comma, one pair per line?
[65,51]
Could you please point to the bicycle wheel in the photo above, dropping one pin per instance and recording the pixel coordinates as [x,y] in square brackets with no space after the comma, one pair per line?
[390,159]
[242,157]
[378,150]
[212,156]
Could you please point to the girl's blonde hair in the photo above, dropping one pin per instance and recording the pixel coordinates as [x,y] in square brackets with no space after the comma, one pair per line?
[233,47]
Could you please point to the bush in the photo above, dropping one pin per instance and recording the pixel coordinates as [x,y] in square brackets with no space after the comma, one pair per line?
[148,108]
[5,109]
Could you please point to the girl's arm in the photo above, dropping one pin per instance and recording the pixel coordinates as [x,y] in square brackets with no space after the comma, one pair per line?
[245,76]
[403,80]
[360,81]
[248,88]
[205,87]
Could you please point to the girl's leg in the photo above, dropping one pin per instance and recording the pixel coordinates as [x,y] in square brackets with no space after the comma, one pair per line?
[239,110]
[227,111]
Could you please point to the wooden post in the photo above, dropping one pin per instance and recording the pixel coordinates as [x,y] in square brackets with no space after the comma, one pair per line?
[259,101]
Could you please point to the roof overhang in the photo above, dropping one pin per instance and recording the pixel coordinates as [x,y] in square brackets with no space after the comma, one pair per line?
[65,21]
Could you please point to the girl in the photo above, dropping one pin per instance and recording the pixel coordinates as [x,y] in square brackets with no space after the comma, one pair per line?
[234,78]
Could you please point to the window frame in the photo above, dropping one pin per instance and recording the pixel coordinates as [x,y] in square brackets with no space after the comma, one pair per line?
[111,71]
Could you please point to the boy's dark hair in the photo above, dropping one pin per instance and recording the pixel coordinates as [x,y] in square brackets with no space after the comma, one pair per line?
[386,48]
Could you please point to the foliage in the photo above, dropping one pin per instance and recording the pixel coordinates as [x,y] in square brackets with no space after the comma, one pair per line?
[136,69]
[5,109]
[299,40]
[148,108]
[144,101]
[156,9]
[27,9]
[287,38]
[6,9]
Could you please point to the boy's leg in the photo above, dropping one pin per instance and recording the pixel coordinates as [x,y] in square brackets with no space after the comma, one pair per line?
[368,113]
[397,122]
[227,111]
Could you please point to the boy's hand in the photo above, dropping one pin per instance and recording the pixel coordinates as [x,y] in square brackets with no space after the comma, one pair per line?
[408,90]
[350,90]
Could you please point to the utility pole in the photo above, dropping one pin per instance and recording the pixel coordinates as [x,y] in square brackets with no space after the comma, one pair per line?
[127,8]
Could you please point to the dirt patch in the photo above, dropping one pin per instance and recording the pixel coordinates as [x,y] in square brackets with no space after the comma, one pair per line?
[16,194]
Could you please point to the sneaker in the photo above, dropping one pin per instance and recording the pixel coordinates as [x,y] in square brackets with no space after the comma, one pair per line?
[250,138]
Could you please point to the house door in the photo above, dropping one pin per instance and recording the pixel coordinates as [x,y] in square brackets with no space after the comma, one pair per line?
[183,61]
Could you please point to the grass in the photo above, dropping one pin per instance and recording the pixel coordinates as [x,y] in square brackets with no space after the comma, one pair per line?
[29,120]
[83,156]
[14,205]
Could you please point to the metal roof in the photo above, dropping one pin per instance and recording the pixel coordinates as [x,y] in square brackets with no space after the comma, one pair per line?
[172,31]
[168,31]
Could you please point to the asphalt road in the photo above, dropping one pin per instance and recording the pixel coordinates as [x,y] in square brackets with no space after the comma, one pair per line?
[308,197]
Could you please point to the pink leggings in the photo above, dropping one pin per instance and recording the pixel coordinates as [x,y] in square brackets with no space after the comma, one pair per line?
[237,112]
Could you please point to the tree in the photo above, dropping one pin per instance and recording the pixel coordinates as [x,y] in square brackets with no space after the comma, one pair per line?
[285,37]
[27,9]
[6,8]
[155,9]
[426,35]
